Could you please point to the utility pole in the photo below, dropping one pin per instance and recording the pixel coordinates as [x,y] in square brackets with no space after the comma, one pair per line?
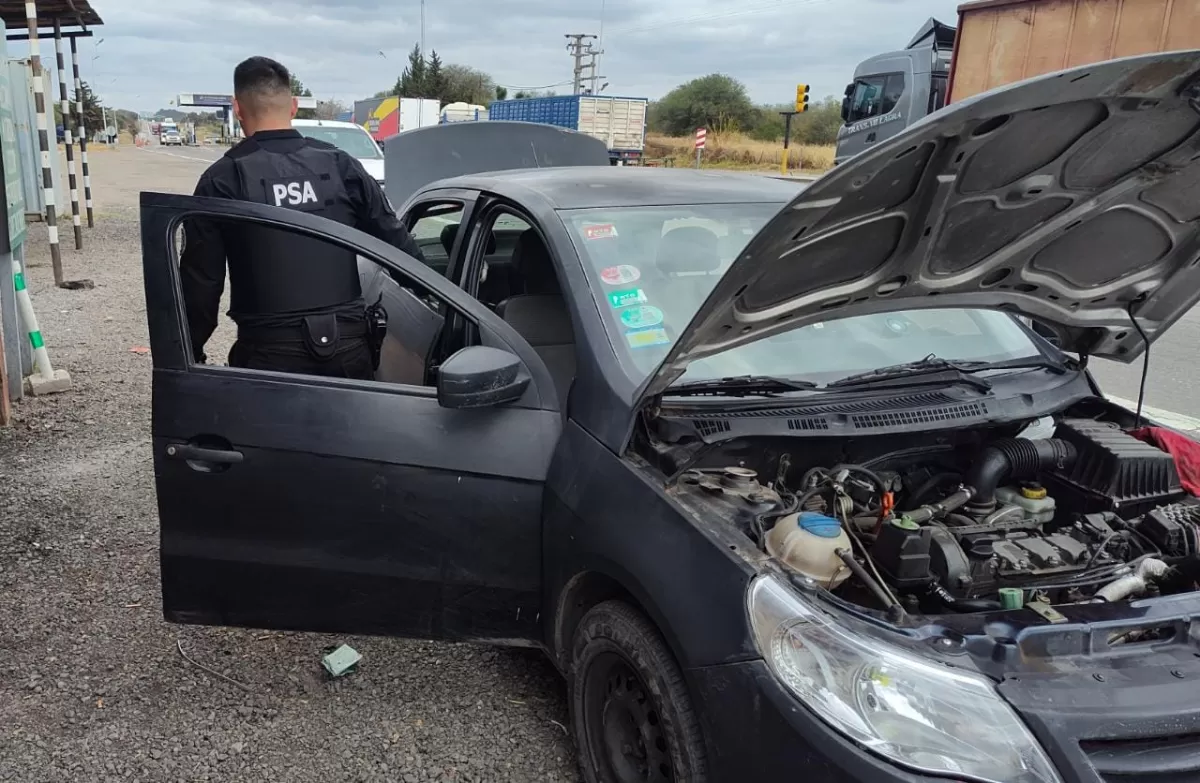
[593,56]
[578,51]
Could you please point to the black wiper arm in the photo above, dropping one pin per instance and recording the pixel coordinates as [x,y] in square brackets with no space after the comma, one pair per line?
[933,370]
[741,385]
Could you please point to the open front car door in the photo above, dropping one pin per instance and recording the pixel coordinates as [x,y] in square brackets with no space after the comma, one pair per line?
[296,502]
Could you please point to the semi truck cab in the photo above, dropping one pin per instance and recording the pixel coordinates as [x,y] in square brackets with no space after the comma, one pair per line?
[893,90]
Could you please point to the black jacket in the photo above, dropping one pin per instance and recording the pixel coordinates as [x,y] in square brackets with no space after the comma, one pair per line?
[205,252]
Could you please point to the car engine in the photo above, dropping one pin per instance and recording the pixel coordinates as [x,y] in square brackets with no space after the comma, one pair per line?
[1089,514]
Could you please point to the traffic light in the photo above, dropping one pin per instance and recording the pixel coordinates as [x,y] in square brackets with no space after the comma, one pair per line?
[801,98]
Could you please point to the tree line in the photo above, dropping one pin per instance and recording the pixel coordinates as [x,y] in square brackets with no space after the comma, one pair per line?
[717,102]
[721,104]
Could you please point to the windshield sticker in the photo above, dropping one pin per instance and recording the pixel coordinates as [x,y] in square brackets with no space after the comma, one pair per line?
[630,296]
[647,337]
[601,231]
[620,275]
[641,317]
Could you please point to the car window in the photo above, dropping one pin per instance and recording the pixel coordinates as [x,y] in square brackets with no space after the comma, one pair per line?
[496,276]
[893,91]
[434,226]
[355,142]
[875,95]
[415,316]
[651,268]
[937,91]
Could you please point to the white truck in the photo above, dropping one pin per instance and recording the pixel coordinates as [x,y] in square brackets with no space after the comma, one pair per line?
[168,133]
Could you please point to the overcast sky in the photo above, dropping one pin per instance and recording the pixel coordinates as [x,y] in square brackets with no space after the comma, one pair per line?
[152,51]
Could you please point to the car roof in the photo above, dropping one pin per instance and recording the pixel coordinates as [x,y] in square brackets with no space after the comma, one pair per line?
[326,124]
[582,187]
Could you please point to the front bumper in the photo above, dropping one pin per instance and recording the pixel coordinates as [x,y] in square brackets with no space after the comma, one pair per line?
[1135,725]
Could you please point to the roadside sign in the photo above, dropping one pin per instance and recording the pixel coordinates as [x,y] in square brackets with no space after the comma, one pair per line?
[701,137]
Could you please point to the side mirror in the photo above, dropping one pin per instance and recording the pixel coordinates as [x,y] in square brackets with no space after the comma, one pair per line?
[480,377]
[845,110]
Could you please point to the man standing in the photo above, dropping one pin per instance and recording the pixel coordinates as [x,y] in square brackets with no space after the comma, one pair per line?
[297,301]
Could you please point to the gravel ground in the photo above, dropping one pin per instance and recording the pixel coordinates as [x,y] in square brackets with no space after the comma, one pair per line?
[92,685]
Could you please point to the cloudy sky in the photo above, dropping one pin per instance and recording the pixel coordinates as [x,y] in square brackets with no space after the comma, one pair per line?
[349,49]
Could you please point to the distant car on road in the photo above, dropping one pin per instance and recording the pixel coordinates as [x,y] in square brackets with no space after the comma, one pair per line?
[348,137]
[170,136]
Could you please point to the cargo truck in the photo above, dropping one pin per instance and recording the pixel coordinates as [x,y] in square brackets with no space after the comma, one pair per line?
[384,117]
[998,42]
[619,122]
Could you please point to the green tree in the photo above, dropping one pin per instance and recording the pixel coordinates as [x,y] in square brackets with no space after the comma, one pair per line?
[93,115]
[501,93]
[717,102]
[300,91]
[436,84]
[469,85]
[768,125]
[329,110]
[413,82]
[820,124]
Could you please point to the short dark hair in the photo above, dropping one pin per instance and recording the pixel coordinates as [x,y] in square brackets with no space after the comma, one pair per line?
[260,80]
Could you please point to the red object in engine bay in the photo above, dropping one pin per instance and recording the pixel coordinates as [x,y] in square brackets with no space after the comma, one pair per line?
[1184,450]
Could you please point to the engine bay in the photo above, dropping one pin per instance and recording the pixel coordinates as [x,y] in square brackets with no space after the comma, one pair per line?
[1068,510]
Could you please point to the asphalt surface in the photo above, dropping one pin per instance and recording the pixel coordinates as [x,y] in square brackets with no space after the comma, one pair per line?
[93,686]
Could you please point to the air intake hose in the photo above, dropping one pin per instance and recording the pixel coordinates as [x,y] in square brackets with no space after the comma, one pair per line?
[1015,458]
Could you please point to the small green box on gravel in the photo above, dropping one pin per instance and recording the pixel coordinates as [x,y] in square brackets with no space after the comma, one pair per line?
[341,661]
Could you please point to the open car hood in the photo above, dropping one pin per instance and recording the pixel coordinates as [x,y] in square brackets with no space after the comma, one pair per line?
[415,158]
[1072,198]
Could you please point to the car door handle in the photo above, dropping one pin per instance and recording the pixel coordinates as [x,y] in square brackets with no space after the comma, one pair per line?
[186,451]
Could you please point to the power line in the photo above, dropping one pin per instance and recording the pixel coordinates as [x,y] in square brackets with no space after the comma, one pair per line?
[530,89]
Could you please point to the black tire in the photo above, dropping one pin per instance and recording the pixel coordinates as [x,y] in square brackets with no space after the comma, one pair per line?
[630,707]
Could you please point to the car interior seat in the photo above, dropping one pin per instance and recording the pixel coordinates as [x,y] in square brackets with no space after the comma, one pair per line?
[689,257]
[540,314]
[497,285]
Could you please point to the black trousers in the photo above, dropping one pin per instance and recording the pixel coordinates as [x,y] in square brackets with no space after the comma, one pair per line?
[352,359]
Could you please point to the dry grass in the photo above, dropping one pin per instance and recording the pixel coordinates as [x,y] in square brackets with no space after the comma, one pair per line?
[735,151]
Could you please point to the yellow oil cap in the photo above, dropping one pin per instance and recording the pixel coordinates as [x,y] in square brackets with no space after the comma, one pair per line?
[1033,491]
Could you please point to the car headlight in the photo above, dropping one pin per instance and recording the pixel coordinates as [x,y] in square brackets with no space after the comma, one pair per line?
[914,712]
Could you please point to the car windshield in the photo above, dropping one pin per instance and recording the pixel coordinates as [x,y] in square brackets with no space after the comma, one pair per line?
[650,269]
[353,141]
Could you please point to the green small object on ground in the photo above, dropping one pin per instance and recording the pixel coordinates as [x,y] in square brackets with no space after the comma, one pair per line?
[341,661]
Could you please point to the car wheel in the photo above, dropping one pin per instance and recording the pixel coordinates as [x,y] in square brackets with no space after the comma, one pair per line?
[630,708]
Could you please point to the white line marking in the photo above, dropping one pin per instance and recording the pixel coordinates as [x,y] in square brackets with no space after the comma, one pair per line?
[1170,419]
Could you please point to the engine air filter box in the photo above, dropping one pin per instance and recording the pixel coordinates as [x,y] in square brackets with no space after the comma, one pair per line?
[1119,472]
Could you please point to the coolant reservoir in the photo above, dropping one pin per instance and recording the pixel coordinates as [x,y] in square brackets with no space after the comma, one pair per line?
[808,543]
[1038,505]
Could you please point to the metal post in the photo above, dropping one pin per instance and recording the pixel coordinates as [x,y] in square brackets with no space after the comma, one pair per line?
[87,178]
[39,107]
[787,134]
[65,107]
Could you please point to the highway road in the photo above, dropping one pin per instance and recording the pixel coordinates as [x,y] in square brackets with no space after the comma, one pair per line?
[1169,384]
